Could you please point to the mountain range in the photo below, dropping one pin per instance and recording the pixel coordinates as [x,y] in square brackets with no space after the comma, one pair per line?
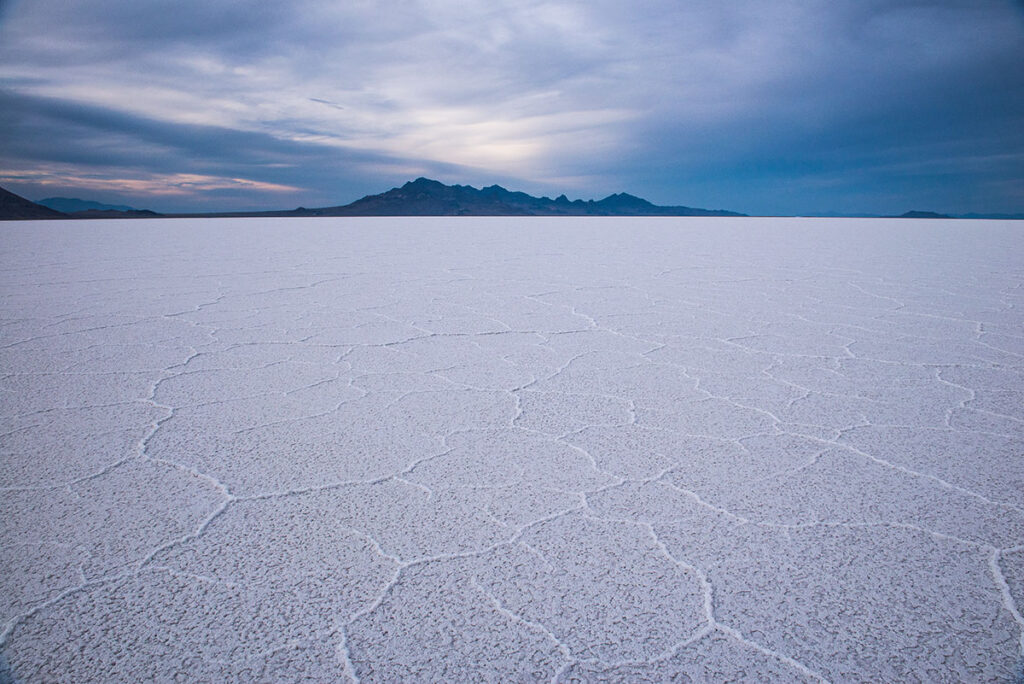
[16,208]
[71,205]
[421,197]
[425,197]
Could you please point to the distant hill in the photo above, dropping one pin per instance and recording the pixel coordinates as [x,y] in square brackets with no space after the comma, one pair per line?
[70,205]
[14,208]
[999,217]
[933,215]
[87,209]
[922,215]
[425,197]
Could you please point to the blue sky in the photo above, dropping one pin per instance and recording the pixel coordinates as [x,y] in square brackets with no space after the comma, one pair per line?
[765,107]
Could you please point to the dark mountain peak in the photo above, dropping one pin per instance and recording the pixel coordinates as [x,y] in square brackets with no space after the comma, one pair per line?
[624,200]
[424,184]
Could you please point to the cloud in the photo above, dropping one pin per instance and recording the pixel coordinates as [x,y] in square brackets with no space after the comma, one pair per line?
[738,104]
[149,184]
[335,105]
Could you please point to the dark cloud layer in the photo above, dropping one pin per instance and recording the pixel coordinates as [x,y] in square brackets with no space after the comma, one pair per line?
[873,106]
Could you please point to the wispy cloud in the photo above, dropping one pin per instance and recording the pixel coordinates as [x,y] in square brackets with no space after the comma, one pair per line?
[140,184]
[726,104]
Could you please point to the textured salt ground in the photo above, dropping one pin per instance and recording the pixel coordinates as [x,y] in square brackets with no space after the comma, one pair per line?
[464,449]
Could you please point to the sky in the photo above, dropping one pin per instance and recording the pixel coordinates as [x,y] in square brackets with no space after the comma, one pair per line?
[759,106]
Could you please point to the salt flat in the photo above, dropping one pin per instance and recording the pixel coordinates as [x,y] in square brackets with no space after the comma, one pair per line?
[508,449]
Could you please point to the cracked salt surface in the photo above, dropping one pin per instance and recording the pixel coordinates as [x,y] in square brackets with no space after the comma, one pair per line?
[507,449]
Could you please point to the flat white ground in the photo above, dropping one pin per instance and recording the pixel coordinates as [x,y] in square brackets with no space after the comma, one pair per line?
[450,449]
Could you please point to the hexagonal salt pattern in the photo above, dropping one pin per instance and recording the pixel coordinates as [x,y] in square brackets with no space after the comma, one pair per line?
[512,450]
